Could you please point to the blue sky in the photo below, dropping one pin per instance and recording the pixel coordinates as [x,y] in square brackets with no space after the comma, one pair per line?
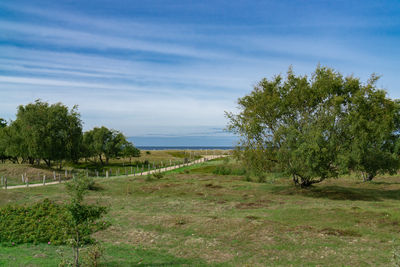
[171,68]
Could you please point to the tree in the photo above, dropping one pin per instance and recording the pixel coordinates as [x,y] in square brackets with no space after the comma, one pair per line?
[3,144]
[302,125]
[129,150]
[47,132]
[83,216]
[101,142]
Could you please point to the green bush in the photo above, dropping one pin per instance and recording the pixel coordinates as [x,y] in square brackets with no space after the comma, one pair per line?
[229,170]
[43,222]
[158,175]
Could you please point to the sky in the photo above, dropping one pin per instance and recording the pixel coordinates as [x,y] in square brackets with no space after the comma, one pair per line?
[170,69]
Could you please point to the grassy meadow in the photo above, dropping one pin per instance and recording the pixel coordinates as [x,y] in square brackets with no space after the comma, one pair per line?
[194,217]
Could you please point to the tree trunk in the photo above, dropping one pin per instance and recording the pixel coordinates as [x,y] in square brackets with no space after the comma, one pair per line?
[101,160]
[76,250]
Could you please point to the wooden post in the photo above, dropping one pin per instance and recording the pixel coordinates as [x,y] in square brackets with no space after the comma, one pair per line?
[131,170]
[97,173]
[2,180]
[54,175]
[44,179]
[22,177]
[66,173]
[27,181]
[5,183]
[107,174]
[59,178]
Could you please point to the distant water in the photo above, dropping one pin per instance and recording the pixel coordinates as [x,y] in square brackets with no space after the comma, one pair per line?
[184,142]
[185,147]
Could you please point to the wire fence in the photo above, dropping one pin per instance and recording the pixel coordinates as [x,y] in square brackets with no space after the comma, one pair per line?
[40,179]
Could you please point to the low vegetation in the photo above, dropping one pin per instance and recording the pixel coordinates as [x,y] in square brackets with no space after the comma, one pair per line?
[201,218]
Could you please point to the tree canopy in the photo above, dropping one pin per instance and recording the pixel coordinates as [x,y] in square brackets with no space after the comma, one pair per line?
[53,133]
[317,127]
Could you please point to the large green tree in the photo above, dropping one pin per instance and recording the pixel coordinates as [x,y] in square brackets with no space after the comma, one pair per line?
[45,132]
[104,143]
[306,126]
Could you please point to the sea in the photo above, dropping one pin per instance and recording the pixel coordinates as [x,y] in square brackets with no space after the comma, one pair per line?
[185,147]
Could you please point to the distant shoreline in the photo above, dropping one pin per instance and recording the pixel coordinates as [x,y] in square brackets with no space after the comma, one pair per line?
[185,147]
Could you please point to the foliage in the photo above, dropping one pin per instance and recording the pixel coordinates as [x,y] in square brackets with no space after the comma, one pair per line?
[229,170]
[372,132]
[92,255]
[129,151]
[158,175]
[43,222]
[102,141]
[44,132]
[318,127]
[83,216]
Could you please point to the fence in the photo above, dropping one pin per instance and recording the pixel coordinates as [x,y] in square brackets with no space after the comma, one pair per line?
[59,177]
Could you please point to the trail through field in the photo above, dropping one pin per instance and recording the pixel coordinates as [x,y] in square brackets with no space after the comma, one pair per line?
[164,169]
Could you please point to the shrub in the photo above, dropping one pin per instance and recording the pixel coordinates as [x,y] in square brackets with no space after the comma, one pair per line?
[158,175]
[229,170]
[43,222]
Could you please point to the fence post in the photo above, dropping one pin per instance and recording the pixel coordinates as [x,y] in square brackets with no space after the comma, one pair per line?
[44,179]
[66,173]
[54,175]
[22,178]
[107,174]
[27,181]
[97,173]
[5,183]
[59,178]
[2,181]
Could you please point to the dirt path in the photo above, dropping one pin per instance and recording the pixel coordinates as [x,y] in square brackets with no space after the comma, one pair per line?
[204,159]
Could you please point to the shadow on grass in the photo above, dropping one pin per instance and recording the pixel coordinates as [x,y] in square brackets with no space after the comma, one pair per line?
[341,193]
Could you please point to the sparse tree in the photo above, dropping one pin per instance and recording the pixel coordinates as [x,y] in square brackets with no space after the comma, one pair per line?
[83,216]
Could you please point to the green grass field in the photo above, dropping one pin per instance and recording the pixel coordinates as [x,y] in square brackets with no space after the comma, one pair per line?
[193,217]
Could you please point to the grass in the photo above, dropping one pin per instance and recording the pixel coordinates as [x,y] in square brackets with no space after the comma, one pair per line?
[199,218]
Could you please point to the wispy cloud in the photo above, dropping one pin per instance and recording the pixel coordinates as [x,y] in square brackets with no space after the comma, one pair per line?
[170,70]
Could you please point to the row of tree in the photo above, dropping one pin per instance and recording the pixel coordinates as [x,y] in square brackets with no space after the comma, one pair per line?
[53,133]
[317,127]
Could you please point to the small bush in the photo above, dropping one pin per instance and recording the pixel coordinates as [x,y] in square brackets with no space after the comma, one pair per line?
[148,152]
[92,255]
[229,170]
[158,175]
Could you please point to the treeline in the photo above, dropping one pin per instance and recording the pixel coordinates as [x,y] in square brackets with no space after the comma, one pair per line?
[53,134]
